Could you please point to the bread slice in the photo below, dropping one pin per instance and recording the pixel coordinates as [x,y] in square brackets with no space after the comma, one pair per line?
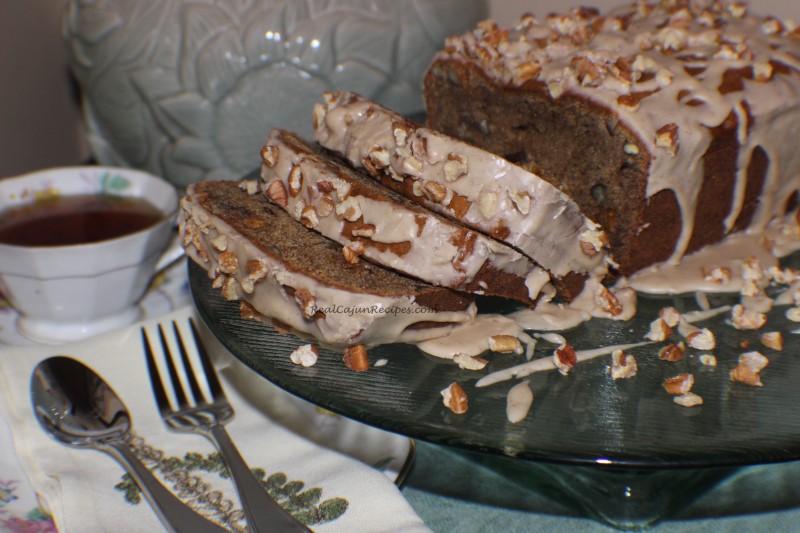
[465,183]
[326,194]
[255,252]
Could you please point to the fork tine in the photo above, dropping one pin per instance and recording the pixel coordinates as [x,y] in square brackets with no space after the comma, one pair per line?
[211,375]
[155,378]
[197,393]
[180,396]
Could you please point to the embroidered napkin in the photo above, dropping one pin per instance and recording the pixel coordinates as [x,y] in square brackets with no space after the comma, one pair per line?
[291,441]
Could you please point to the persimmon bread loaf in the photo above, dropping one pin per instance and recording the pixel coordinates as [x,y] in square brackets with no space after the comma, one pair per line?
[471,186]
[672,124]
[255,252]
[372,222]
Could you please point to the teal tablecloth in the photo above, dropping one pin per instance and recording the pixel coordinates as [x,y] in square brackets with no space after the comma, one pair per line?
[454,491]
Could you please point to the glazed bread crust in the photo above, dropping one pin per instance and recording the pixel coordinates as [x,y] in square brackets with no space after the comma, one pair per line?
[327,195]
[255,252]
[666,122]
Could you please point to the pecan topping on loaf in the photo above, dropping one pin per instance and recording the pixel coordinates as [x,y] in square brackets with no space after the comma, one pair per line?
[679,112]
[471,186]
[255,252]
[375,223]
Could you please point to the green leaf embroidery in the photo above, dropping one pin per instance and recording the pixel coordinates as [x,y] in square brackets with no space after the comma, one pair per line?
[304,505]
[332,509]
[310,497]
[128,487]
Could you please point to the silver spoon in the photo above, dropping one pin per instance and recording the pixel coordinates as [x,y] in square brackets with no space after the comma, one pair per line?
[75,406]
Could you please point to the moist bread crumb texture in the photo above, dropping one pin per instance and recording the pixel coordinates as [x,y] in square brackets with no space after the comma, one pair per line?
[328,196]
[469,185]
[669,123]
[255,252]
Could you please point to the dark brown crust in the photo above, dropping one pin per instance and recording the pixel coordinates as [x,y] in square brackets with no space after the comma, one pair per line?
[279,236]
[661,230]
[719,171]
[756,177]
[570,142]
[579,147]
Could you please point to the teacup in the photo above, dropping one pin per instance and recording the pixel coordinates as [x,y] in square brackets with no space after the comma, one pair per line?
[66,292]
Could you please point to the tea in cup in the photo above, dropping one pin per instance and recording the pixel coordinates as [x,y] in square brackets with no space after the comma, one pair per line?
[79,246]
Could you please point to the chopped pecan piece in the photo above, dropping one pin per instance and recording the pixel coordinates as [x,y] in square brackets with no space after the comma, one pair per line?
[247,311]
[721,275]
[295,180]
[355,358]
[592,241]
[565,358]
[306,301]
[607,301]
[401,132]
[522,203]
[349,209]
[755,361]
[746,319]
[276,190]
[659,331]
[363,230]
[435,192]
[256,269]
[353,251]
[672,352]
[793,314]
[231,290]
[702,339]
[309,217]
[325,206]
[623,366]
[487,204]
[470,362]
[670,315]
[708,359]
[455,167]
[305,355]
[505,344]
[745,375]
[220,243]
[773,340]
[228,262]
[689,399]
[680,384]
[667,138]
[269,155]
[455,399]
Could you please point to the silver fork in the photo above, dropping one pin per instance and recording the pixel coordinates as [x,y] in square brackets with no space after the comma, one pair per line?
[208,418]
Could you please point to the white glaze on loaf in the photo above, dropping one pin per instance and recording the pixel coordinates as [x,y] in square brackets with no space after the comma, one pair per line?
[361,317]
[479,189]
[393,231]
[671,71]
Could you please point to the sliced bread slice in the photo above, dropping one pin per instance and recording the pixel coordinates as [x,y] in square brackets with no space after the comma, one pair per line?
[326,194]
[477,188]
[255,252]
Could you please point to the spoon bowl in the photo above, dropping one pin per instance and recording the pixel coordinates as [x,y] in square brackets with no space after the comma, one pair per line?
[78,408]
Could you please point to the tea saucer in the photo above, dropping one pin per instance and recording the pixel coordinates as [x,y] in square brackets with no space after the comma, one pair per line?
[168,292]
[50,332]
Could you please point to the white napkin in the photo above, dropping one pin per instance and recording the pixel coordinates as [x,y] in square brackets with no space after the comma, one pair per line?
[79,485]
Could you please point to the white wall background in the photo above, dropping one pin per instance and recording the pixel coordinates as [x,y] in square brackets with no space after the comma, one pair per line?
[40,123]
